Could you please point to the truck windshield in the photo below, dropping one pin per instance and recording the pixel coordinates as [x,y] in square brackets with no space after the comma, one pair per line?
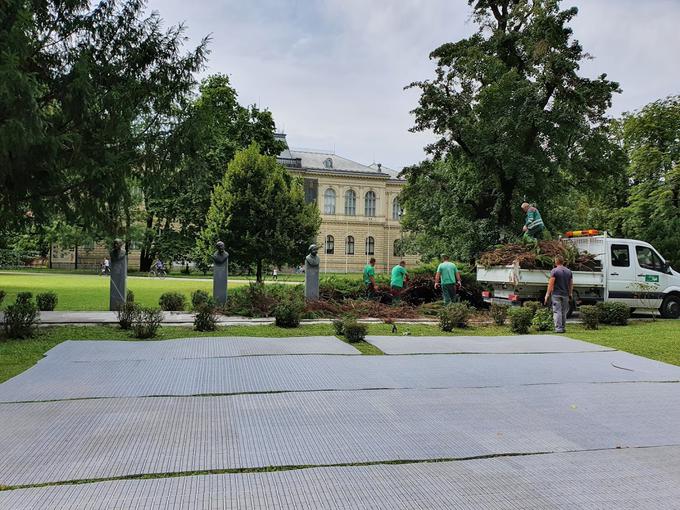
[648,259]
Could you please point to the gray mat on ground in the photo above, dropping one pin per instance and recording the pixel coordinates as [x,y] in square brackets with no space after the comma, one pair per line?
[56,380]
[613,479]
[483,344]
[207,347]
[84,439]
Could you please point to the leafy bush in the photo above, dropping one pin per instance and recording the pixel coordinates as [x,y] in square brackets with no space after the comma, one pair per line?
[543,320]
[533,306]
[2,296]
[287,315]
[21,319]
[590,316]
[205,318]
[455,315]
[146,322]
[353,331]
[520,319]
[47,301]
[130,296]
[613,313]
[258,300]
[499,313]
[339,327]
[24,297]
[199,297]
[126,314]
[172,301]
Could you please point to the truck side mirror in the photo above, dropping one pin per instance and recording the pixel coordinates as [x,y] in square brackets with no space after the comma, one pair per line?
[667,267]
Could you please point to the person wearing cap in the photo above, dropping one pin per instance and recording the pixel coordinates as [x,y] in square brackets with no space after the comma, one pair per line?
[533,223]
[448,278]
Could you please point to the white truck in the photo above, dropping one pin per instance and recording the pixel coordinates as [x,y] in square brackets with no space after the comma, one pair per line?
[632,273]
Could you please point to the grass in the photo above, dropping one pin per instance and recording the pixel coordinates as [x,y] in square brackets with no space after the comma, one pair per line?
[657,340]
[91,292]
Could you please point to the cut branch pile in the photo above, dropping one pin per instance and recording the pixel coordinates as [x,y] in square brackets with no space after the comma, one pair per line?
[539,256]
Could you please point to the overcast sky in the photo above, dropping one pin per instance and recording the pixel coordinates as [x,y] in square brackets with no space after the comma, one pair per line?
[333,71]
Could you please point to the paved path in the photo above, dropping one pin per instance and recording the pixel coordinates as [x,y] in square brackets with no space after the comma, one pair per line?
[509,428]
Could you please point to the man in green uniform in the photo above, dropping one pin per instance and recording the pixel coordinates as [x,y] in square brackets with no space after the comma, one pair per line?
[399,276]
[369,279]
[533,223]
[448,278]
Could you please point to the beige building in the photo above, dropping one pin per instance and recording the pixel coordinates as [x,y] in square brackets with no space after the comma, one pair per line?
[359,208]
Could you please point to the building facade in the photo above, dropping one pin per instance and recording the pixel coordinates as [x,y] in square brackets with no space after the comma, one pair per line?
[359,206]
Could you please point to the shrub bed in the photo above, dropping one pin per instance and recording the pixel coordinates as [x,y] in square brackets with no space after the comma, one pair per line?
[172,301]
[199,297]
[287,315]
[455,315]
[543,320]
[354,331]
[205,318]
[146,322]
[46,301]
[590,316]
[21,319]
[499,313]
[613,313]
[520,319]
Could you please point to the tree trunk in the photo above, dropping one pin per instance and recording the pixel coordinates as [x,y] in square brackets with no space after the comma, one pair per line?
[258,276]
[145,255]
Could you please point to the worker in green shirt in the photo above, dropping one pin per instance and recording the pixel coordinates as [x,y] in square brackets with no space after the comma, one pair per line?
[448,278]
[533,223]
[399,276]
[369,279]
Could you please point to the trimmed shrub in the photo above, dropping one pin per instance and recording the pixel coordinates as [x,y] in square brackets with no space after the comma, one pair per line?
[146,322]
[47,301]
[21,319]
[354,331]
[543,320]
[172,301]
[534,306]
[130,296]
[590,316]
[455,315]
[2,296]
[613,313]
[24,297]
[339,327]
[287,315]
[205,318]
[520,319]
[199,297]
[499,313]
[126,314]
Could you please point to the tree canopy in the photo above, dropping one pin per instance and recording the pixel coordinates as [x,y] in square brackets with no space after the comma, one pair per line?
[259,212]
[513,120]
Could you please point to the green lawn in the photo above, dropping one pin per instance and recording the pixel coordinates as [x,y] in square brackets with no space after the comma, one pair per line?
[658,340]
[91,292]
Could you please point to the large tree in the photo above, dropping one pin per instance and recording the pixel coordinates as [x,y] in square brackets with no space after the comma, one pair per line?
[513,120]
[259,211]
[82,89]
[651,140]
[185,166]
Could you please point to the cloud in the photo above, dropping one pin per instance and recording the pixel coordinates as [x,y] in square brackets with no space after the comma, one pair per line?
[333,71]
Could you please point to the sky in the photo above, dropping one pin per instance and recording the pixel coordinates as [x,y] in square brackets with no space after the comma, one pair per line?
[333,71]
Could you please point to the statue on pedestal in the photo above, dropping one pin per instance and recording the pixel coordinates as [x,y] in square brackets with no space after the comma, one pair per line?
[220,273]
[118,283]
[312,273]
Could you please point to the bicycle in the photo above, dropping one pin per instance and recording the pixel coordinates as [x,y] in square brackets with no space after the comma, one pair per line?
[158,273]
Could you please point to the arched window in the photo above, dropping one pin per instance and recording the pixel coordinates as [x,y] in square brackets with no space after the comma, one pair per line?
[370,246]
[330,245]
[329,201]
[350,203]
[397,252]
[396,209]
[328,163]
[369,204]
[349,245]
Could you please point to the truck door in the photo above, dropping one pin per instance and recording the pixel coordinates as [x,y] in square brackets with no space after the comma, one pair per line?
[621,275]
[651,277]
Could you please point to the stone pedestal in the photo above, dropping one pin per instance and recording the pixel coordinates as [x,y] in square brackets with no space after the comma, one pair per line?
[220,281]
[311,282]
[118,284]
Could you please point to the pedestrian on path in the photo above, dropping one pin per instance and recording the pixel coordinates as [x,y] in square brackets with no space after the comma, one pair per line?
[275,274]
[369,279]
[561,289]
[398,278]
[448,278]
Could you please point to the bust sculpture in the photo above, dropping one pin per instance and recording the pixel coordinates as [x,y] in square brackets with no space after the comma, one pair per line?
[221,256]
[313,259]
[118,251]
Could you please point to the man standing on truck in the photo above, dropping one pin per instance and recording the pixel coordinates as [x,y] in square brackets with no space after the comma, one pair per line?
[448,278]
[561,288]
[533,223]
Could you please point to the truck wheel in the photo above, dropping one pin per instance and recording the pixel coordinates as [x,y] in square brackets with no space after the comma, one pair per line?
[670,307]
